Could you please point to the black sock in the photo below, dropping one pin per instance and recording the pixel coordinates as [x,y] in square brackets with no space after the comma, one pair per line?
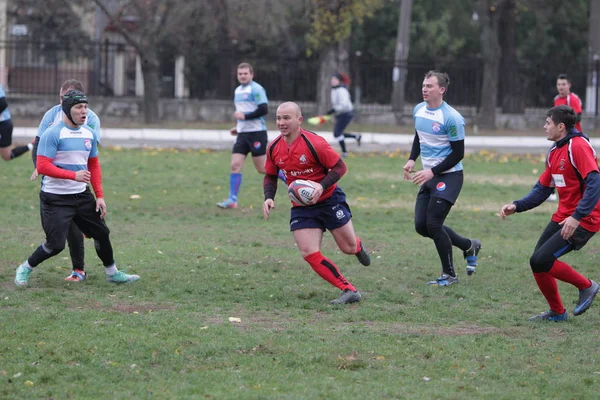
[40,254]
[343,146]
[350,135]
[18,151]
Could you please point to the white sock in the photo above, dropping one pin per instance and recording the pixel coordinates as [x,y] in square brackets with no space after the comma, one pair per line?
[26,264]
[30,146]
[111,270]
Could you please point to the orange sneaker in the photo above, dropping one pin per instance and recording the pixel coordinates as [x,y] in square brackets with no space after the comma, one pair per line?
[76,276]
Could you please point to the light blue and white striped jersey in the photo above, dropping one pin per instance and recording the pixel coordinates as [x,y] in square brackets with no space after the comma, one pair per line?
[5,116]
[437,127]
[69,149]
[246,99]
[55,114]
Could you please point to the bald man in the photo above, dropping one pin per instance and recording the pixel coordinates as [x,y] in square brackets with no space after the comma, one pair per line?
[302,154]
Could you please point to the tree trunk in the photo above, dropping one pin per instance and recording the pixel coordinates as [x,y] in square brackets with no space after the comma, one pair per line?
[150,70]
[401,56]
[491,53]
[593,80]
[334,58]
[511,89]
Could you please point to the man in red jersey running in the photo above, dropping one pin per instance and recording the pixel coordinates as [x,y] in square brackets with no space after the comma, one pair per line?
[568,98]
[301,154]
[572,167]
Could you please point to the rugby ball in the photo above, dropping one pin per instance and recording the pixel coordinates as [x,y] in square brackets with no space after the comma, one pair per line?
[301,191]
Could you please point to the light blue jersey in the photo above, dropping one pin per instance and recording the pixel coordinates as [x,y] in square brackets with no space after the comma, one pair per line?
[70,149]
[54,116]
[246,99]
[5,115]
[437,127]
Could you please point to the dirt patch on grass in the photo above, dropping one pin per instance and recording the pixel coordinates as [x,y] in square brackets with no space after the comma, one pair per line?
[128,308]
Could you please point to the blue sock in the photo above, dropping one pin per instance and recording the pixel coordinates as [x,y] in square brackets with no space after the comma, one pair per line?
[281,176]
[235,181]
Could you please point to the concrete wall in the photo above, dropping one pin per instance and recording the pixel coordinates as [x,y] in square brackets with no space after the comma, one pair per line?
[191,110]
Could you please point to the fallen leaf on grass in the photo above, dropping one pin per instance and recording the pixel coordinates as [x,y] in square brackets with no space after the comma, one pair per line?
[235,319]
[135,197]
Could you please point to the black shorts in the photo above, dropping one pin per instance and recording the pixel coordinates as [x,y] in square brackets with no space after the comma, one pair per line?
[6,130]
[58,211]
[330,214]
[251,142]
[446,186]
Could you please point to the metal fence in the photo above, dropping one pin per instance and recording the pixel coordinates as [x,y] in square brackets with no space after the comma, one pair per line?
[39,68]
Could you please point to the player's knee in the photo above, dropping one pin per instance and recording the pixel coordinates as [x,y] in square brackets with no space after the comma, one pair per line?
[5,156]
[434,228]
[540,263]
[421,229]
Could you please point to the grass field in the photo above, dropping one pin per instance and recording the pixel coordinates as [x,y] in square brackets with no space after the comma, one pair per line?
[169,336]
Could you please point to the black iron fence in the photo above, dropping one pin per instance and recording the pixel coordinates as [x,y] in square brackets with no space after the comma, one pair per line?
[39,68]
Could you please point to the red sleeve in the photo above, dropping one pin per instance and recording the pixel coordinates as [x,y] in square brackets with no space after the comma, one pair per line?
[96,178]
[583,157]
[270,167]
[327,155]
[45,167]
[546,178]
[576,104]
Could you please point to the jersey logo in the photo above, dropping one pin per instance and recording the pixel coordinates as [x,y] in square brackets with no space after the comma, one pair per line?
[440,187]
[453,132]
[561,164]
[303,159]
[280,161]
[88,144]
[340,214]
[257,145]
[435,127]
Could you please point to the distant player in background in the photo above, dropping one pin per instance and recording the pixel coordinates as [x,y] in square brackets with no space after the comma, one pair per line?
[6,131]
[568,98]
[343,109]
[51,117]
[571,166]
[68,160]
[440,141]
[302,154]
[251,106]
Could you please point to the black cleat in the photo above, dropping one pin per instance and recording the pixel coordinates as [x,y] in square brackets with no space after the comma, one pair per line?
[363,256]
[347,297]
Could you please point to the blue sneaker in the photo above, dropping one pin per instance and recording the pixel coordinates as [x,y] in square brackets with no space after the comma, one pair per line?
[122,277]
[22,275]
[227,204]
[550,316]
[471,256]
[444,280]
[586,297]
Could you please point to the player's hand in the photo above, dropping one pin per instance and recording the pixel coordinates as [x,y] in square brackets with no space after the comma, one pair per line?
[233,131]
[507,209]
[101,206]
[83,176]
[421,177]
[268,205]
[409,168]
[569,225]
[317,193]
[240,116]
[34,175]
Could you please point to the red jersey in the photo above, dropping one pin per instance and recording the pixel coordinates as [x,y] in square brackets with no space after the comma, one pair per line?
[562,168]
[309,157]
[573,101]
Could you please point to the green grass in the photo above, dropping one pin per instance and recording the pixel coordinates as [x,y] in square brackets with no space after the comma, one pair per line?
[168,336]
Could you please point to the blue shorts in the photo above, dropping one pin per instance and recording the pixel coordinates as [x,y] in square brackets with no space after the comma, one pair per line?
[330,214]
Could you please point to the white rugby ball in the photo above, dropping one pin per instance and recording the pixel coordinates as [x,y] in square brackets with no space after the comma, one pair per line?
[301,191]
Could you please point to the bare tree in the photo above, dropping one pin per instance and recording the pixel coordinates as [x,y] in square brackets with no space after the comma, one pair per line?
[491,54]
[511,89]
[332,23]
[401,56]
[145,25]
[593,78]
